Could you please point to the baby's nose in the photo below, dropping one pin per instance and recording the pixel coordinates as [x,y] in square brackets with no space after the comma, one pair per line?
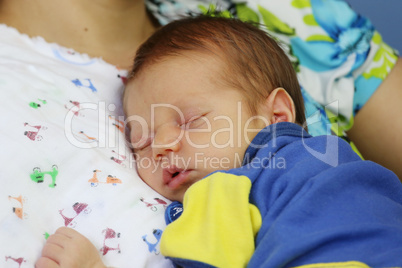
[167,139]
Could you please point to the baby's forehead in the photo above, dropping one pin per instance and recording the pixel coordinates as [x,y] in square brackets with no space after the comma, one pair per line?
[212,56]
[171,67]
[201,70]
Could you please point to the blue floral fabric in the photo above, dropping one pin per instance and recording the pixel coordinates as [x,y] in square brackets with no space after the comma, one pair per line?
[339,57]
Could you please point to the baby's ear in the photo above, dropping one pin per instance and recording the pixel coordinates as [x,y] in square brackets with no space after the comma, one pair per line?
[281,106]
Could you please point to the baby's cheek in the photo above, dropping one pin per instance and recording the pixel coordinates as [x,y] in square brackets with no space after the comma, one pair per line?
[198,140]
[144,164]
[233,158]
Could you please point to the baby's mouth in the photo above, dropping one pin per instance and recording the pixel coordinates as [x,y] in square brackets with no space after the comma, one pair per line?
[170,173]
[173,176]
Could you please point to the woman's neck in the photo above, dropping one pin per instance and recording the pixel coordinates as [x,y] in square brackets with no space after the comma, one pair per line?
[111,29]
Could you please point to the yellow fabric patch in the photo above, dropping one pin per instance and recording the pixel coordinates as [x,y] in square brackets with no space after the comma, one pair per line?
[218,224]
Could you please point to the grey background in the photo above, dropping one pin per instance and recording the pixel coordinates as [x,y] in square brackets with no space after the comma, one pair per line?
[386,16]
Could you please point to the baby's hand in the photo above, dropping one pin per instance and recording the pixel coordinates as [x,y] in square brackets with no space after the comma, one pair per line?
[69,249]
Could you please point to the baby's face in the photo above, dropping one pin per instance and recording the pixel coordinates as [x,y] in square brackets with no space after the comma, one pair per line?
[185,124]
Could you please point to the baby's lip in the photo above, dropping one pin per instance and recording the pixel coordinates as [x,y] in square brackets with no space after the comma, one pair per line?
[170,172]
[173,176]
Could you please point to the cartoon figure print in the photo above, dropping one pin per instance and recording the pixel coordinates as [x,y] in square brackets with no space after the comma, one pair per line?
[157,233]
[119,158]
[78,209]
[87,137]
[37,105]
[33,132]
[119,124]
[109,179]
[75,108]
[153,204]
[110,235]
[123,78]
[17,260]
[38,175]
[86,83]
[19,211]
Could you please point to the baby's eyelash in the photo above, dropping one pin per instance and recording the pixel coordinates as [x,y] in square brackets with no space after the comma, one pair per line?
[192,120]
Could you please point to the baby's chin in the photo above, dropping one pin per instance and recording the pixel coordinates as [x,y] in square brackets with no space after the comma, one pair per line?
[179,197]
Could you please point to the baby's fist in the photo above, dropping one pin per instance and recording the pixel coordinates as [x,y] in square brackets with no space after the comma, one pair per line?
[67,248]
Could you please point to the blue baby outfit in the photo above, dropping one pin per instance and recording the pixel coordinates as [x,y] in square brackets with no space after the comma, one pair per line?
[318,202]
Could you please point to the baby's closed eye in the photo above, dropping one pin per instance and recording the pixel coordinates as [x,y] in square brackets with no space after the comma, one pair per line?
[195,122]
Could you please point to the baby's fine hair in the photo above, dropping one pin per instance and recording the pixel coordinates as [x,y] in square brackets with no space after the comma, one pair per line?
[254,62]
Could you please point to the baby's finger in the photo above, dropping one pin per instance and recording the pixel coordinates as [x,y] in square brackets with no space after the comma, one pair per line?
[44,262]
[68,232]
[73,237]
[52,252]
[58,239]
